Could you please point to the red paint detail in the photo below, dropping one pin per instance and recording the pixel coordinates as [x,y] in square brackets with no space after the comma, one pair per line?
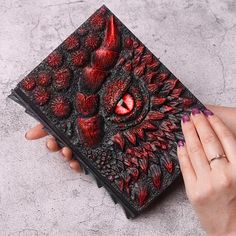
[125,105]
[157,101]
[131,137]
[139,104]
[127,179]
[134,160]
[148,125]
[155,172]
[121,61]
[87,105]
[150,77]
[143,163]
[163,76]
[167,108]
[92,42]
[133,151]
[60,107]
[82,31]
[54,59]
[147,59]
[93,78]
[140,132]
[79,58]
[104,59]
[139,50]
[136,61]
[62,79]
[128,66]
[134,172]
[71,42]
[127,161]
[28,83]
[187,102]
[170,84]
[113,92]
[135,44]
[168,164]
[121,184]
[177,92]
[128,43]
[112,39]
[97,22]
[119,139]
[152,88]
[139,70]
[41,96]
[44,79]
[154,65]
[91,130]
[142,195]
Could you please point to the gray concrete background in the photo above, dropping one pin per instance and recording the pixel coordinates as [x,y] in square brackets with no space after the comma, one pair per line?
[39,194]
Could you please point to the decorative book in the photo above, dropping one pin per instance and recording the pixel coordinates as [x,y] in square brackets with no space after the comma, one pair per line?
[107,97]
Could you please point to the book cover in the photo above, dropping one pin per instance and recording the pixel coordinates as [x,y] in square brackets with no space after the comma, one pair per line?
[107,97]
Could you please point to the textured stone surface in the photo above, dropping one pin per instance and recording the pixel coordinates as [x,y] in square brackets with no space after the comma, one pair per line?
[39,194]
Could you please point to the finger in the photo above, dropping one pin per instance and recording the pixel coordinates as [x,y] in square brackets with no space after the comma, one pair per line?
[224,134]
[67,153]
[36,132]
[75,165]
[194,148]
[52,145]
[210,142]
[187,170]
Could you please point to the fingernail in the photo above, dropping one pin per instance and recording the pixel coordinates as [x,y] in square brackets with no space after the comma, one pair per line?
[195,111]
[208,113]
[47,146]
[185,118]
[63,155]
[180,143]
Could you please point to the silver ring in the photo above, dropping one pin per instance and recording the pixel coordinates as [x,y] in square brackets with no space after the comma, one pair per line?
[217,157]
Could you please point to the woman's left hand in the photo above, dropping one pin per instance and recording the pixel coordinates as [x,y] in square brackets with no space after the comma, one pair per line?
[38,132]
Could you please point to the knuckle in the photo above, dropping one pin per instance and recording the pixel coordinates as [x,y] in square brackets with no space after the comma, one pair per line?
[184,166]
[216,122]
[201,197]
[188,129]
[226,133]
[198,122]
[193,149]
[209,139]
[225,182]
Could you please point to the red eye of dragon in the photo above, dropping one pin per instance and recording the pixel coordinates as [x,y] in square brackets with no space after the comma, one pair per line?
[125,105]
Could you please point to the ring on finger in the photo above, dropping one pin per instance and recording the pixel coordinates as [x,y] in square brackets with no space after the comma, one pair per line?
[218,157]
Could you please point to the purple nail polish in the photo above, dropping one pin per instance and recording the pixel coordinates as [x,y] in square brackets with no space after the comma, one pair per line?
[195,111]
[185,118]
[208,113]
[180,143]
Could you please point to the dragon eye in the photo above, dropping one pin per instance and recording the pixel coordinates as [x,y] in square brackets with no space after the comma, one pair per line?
[125,105]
